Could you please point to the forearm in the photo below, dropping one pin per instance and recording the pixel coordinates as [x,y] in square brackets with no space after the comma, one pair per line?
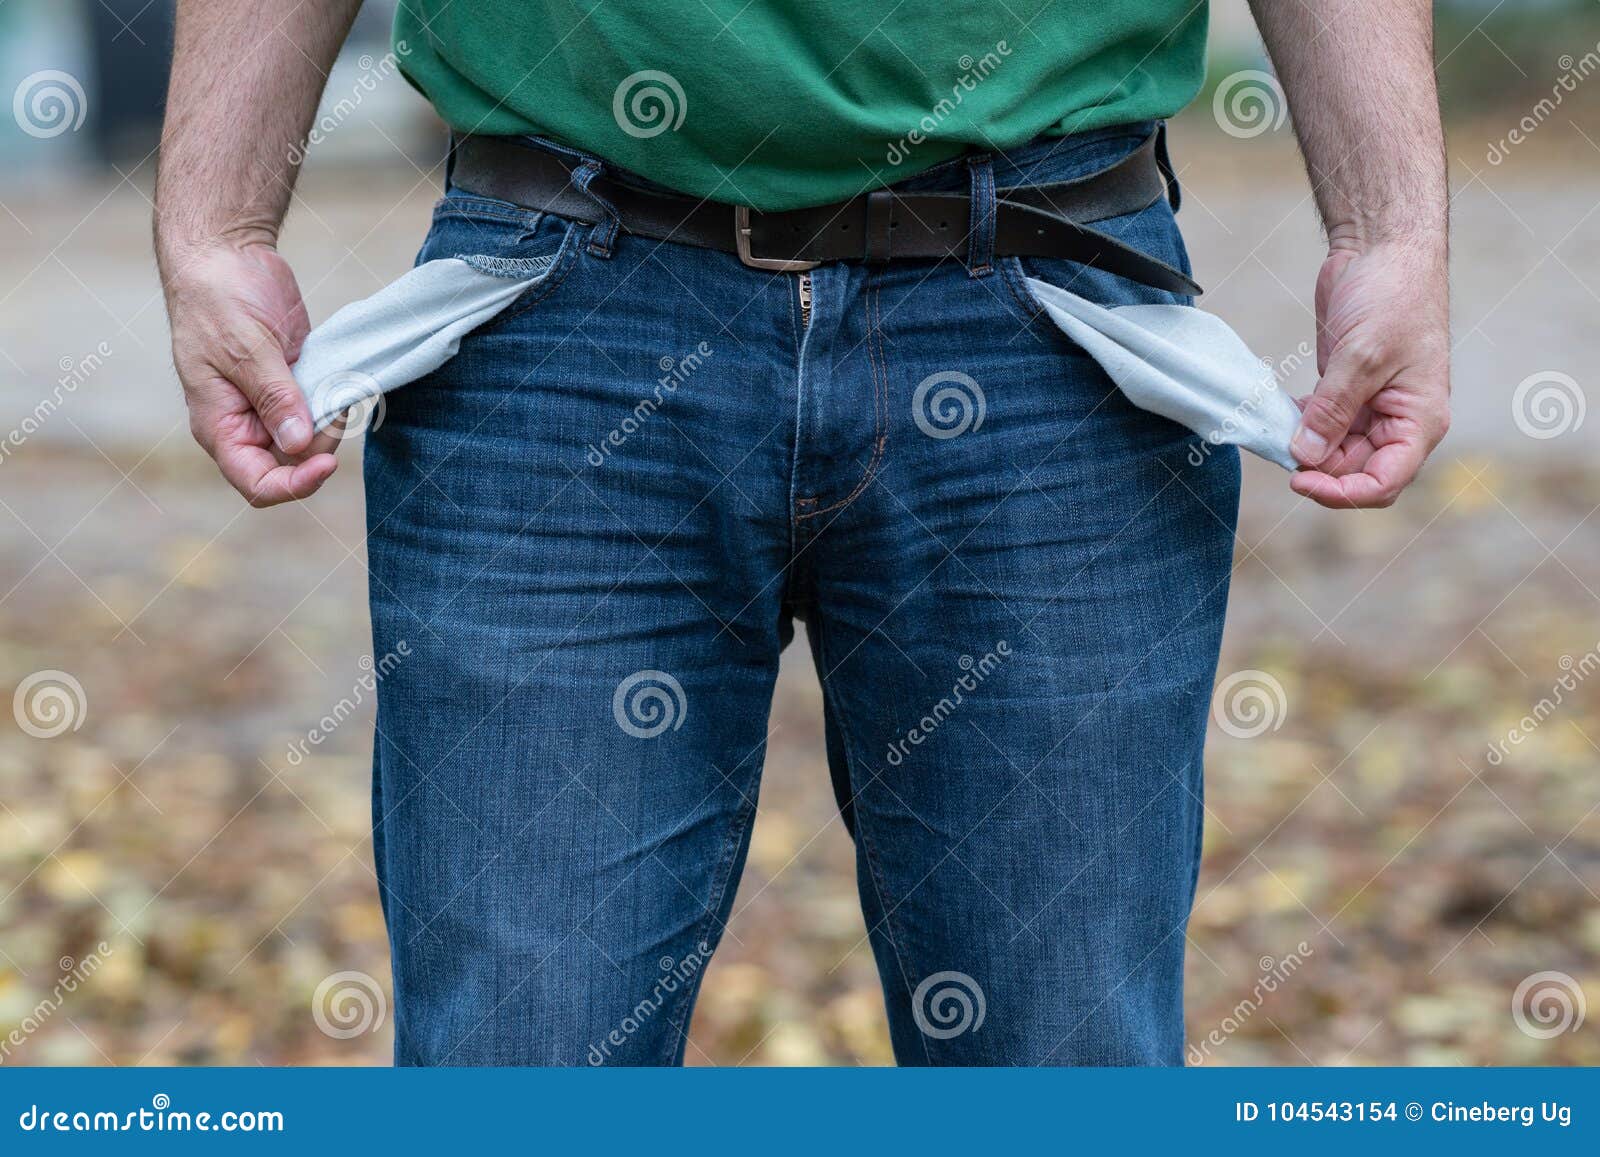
[1360,82]
[246,78]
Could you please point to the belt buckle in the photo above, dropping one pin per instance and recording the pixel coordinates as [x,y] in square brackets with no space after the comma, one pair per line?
[741,241]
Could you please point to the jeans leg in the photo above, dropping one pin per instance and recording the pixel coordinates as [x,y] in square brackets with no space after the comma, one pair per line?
[568,756]
[1018,625]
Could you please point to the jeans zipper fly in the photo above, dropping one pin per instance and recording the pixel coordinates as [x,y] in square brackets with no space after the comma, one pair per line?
[804,286]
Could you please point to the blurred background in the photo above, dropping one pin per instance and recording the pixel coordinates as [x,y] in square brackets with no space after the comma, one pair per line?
[1403,850]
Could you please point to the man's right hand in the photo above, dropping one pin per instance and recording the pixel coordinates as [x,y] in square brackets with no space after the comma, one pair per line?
[237,324]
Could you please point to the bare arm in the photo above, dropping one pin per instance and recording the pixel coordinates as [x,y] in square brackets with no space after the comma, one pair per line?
[1360,82]
[246,78]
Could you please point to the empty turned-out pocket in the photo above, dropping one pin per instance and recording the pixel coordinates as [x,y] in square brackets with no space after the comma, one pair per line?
[408,328]
[1184,364]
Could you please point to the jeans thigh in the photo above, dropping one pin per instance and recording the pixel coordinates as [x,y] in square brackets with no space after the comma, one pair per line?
[567,759]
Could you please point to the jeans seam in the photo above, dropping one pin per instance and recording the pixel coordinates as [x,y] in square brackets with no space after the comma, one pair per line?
[874,864]
[566,257]
[679,1033]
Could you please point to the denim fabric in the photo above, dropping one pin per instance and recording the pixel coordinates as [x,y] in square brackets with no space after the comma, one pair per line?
[595,528]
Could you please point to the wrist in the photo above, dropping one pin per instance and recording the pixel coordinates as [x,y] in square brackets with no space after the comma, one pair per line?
[1365,234]
[181,250]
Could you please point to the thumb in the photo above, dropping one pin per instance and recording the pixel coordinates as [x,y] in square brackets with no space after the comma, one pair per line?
[1354,374]
[264,378]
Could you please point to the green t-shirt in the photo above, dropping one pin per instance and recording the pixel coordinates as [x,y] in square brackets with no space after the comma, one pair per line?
[780,104]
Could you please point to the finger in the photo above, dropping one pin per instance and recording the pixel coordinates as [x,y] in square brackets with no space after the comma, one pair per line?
[1355,373]
[1388,471]
[1350,457]
[265,380]
[255,473]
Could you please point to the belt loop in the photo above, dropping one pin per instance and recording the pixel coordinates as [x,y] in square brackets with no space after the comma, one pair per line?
[1164,163]
[604,234]
[980,230]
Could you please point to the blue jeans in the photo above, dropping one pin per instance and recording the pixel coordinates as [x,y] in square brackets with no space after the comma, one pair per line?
[594,529]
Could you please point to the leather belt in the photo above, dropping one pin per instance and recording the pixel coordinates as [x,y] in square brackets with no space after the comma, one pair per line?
[885,225]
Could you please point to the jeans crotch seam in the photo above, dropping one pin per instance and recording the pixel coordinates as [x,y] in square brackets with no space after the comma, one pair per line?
[874,865]
[880,409]
[677,1023]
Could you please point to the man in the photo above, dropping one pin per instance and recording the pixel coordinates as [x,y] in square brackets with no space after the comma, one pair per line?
[596,524]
